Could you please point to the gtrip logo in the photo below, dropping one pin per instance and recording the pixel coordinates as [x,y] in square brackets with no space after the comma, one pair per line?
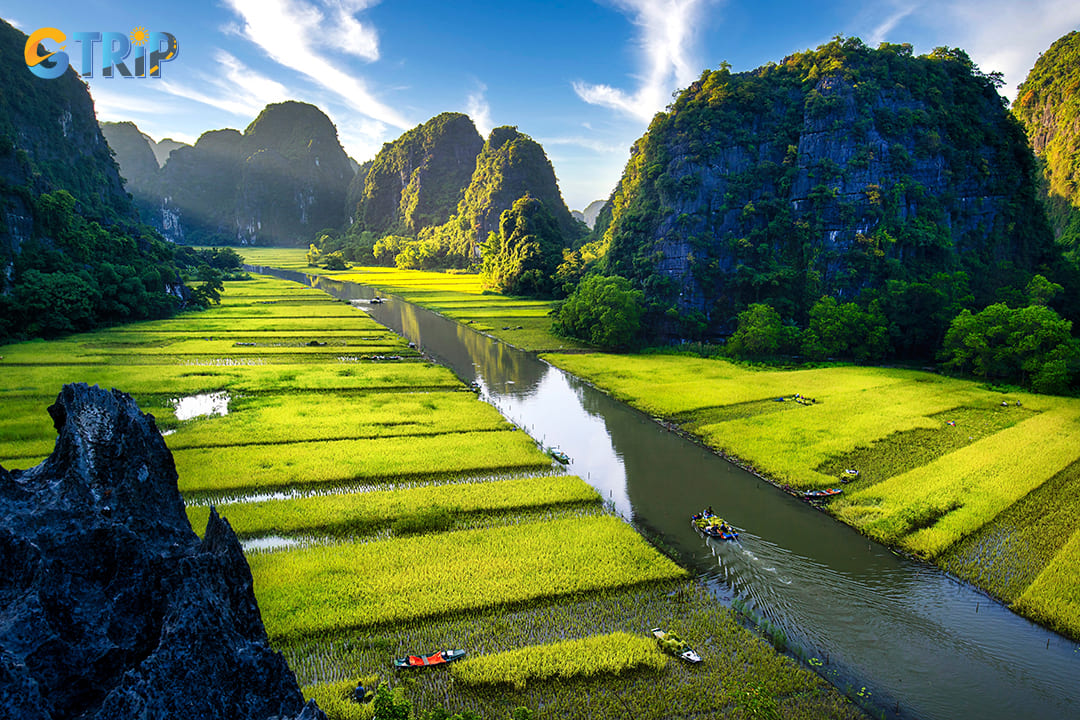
[148,51]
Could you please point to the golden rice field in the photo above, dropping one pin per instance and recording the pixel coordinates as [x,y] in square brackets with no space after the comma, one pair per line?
[429,521]
[949,471]
[612,654]
[341,514]
[523,323]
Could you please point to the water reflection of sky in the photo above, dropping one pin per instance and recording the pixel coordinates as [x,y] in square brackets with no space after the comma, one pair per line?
[216,403]
[557,419]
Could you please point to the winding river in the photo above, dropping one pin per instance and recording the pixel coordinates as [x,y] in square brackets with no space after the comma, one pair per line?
[912,640]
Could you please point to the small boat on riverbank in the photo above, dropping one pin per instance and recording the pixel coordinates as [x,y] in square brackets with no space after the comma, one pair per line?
[673,644]
[813,495]
[559,455]
[418,661]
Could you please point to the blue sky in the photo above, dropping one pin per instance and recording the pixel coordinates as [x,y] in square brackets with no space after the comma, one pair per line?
[582,77]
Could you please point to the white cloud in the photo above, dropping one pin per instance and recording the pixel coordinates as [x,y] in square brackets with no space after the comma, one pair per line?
[1007,36]
[593,144]
[235,88]
[14,23]
[361,137]
[667,40]
[292,33]
[476,107]
[886,26]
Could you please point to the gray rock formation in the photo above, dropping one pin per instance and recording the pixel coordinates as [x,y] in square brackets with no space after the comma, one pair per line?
[110,605]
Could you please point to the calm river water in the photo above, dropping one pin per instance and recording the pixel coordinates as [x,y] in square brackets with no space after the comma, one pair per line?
[914,638]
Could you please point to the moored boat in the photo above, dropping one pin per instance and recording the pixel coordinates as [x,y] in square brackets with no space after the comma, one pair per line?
[559,455]
[418,661]
[821,494]
[672,643]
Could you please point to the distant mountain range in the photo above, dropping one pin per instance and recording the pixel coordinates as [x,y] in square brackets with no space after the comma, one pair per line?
[278,183]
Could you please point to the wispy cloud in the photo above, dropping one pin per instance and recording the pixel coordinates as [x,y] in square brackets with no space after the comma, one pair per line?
[1006,36]
[477,107]
[597,146]
[899,11]
[293,33]
[667,40]
[237,89]
[14,23]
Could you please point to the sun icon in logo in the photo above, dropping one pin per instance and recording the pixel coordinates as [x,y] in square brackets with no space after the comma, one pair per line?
[139,36]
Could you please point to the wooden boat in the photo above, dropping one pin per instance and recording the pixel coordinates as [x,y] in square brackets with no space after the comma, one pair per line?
[672,643]
[559,455]
[418,661]
[714,526]
[821,494]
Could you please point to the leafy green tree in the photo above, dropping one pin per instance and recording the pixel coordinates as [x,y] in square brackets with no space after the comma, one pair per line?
[56,303]
[1041,291]
[604,311]
[208,292]
[335,261]
[845,331]
[1032,346]
[390,704]
[760,333]
[521,258]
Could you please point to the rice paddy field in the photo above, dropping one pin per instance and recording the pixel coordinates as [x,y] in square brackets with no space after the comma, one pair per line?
[985,484]
[387,511]
[521,322]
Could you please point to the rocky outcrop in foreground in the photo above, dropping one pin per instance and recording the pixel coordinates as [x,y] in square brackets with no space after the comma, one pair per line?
[110,605]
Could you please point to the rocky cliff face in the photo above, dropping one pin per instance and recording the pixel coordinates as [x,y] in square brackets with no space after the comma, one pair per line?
[510,166]
[831,173]
[278,183]
[1048,106]
[293,177]
[417,180]
[49,139]
[110,606]
[198,188]
[135,156]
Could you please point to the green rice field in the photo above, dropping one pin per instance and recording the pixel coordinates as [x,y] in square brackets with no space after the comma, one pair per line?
[427,520]
[523,323]
[985,484]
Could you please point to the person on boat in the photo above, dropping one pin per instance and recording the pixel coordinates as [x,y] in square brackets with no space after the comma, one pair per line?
[708,511]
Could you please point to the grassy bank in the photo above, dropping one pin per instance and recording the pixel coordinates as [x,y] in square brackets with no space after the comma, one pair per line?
[980,482]
[429,521]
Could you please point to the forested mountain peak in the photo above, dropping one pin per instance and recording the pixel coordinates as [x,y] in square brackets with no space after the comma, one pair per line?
[417,180]
[279,182]
[843,171]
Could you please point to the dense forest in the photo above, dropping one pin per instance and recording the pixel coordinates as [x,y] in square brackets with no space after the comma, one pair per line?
[844,203]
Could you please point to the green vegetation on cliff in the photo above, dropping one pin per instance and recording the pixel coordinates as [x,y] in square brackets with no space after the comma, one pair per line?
[417,180]
[864,175]
[72,251]
[280,182]
[1048,106]
[520,259]
[510,166]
